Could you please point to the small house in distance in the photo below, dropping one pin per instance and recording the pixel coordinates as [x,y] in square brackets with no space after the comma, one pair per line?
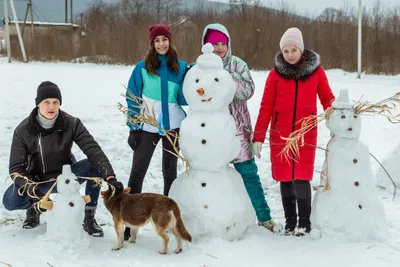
[47,38]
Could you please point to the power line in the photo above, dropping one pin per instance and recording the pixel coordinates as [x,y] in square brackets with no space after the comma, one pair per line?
[37,9]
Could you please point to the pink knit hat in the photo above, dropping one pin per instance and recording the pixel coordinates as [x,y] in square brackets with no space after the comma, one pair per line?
[214,36]
[292,36]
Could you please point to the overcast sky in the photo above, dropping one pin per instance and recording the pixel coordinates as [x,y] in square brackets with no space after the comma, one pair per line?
[316,6]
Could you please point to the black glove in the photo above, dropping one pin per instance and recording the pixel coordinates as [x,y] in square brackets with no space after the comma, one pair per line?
[119,187]
[133,139]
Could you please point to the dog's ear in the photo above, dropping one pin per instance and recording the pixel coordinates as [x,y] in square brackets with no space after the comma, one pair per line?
[127,190]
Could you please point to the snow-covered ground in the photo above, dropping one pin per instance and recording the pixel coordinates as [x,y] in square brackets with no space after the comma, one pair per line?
[91,92]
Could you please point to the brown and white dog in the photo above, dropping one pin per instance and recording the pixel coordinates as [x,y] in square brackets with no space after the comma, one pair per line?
[136,210]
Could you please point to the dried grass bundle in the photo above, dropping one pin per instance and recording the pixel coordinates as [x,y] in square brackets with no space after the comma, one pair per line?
[386,108]
[148,116]
[295,140]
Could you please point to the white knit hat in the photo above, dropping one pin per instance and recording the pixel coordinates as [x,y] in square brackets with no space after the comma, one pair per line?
[292,36]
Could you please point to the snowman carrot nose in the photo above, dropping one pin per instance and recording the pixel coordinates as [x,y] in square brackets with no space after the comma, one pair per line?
[200,91]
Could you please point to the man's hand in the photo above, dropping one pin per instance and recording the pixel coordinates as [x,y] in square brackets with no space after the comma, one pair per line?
[119,187]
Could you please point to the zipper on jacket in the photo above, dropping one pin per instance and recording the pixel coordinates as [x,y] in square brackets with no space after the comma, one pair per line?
[41,153]
[294,121]
[276,119]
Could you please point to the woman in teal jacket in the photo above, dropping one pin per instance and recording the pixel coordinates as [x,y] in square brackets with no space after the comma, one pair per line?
[157,81]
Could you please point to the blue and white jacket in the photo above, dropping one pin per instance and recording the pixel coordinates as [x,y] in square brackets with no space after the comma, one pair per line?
[162,93]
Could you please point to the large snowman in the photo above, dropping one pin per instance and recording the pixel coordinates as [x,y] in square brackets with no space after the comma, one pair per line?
[212,196]
[351,206]
[64,220]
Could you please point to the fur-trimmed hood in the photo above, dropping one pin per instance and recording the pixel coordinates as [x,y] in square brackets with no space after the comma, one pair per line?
[310,62]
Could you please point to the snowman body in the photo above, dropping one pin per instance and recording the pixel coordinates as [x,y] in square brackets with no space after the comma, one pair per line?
[197,138]
[211,196]
[64,220]
[351,207]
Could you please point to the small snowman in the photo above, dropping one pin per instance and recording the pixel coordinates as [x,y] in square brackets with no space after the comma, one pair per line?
[347,201]
[212,196]
[64,219]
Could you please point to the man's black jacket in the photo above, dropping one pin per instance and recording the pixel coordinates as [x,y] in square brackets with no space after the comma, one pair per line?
[40,153]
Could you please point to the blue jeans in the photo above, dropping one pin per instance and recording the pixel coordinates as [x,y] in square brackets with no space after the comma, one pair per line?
[13,201]
[248,170]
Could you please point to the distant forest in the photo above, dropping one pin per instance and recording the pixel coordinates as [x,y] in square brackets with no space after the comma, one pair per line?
[118,33]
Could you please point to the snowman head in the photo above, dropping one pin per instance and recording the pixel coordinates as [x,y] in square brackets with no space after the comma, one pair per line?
[67,183]
[343,122]
[207,86]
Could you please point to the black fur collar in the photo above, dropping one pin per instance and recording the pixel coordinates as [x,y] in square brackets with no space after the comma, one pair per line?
[308,64]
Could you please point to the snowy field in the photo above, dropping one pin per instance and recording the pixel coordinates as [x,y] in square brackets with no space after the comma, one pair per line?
[91,92]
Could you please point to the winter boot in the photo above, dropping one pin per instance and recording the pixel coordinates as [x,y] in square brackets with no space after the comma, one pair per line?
[127,233]
[32,218]
[304,206]
[270,225]
[90,225]
[289,206]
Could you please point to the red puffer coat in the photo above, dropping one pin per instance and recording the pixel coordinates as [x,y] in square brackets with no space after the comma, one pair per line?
[290,94]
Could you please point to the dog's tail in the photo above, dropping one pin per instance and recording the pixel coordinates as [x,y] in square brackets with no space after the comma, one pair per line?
[180,228]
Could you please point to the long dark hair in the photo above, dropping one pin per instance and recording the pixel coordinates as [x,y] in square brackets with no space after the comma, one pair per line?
[152,63]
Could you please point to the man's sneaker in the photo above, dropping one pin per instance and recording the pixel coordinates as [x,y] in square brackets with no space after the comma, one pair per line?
[90,225]
[127,233]
[32,218]
[270,225]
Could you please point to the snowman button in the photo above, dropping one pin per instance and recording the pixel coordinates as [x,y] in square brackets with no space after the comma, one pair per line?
[355,161]
[203,184]
[71,204]
[205,206]
[356,183]
[67,181]
[203,141]
[360,207]
[203,124]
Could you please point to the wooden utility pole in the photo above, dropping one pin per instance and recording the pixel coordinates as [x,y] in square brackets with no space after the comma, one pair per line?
[359,38]
[21,41]
[7,31]
[29,9]
[66,11]
[71,12]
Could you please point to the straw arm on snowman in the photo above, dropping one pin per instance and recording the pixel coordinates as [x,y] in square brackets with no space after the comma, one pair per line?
[43,202]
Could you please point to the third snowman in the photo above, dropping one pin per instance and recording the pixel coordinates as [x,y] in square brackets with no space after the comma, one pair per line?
[348,204]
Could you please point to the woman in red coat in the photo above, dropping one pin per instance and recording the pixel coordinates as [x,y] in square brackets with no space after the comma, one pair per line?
[290,94]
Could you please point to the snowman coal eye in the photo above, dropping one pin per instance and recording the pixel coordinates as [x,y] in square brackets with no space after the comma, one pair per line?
[197,80]
[343,117]
[216,79]
[355,116]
